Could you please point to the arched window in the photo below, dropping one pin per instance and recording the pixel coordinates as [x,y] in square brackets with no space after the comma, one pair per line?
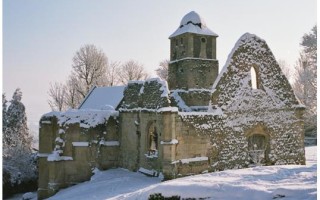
[253,78]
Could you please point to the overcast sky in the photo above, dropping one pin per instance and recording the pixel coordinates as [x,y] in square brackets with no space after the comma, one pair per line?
[40,37]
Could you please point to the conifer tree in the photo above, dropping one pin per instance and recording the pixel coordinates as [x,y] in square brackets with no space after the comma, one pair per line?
[4,120]
[18,131]
[19,165]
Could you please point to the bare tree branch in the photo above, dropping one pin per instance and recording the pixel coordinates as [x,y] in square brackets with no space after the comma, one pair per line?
[162,70]
[132,70]
[57,94]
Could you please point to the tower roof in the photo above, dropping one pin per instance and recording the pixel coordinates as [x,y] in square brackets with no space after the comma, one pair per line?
[193,23]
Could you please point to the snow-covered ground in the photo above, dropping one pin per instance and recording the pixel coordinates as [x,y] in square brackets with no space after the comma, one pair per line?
[271,182]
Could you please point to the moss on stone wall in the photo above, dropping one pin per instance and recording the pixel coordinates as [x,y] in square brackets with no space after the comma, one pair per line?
[150,94]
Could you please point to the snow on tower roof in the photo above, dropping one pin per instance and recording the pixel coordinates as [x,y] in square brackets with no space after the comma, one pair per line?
[103,97]
[193,23]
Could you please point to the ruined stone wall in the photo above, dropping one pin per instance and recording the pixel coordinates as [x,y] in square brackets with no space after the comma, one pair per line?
[191,100]
[192,73]
[191,151]
[229,134]
[69,152]
[234,83]
[129,140]
[181,149]
[47,133]
[269,111]
[151,94]
[135,141]
[147,159]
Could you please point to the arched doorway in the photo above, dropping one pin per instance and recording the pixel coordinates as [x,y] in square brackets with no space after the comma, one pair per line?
[257,147]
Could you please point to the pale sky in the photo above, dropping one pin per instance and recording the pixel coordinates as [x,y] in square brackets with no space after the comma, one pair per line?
[40,37]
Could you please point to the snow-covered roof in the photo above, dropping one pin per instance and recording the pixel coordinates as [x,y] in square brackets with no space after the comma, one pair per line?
[103,97]
[193,23]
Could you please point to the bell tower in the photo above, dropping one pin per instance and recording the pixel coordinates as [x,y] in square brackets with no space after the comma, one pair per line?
[193,63]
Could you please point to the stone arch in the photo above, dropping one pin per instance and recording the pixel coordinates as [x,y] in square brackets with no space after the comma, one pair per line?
[152,137]
[258,140]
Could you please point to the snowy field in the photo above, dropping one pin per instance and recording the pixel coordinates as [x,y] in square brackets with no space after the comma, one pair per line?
[272,182]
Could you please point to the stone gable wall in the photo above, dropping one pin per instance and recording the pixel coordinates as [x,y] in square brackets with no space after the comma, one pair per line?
[234,82]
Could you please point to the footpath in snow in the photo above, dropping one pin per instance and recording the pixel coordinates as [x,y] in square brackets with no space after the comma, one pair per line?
[265,182]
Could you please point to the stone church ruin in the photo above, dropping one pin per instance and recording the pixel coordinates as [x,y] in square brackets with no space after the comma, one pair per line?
[201,121]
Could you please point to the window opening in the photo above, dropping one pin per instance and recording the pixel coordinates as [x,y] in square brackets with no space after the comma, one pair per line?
[253,78]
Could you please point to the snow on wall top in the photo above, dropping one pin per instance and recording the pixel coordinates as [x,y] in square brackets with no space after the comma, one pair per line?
[193,23]
[232,89]
[87,118]
[103,97]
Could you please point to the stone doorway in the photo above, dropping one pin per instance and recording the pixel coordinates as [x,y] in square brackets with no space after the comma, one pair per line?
[257,146]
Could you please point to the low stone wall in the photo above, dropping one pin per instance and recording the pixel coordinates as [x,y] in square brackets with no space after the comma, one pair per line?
[69,153]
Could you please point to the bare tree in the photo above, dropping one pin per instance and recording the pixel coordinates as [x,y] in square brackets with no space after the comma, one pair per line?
[89,68]
[131,70]
[73,97]
[162,70]
[113,69]
[305,85]
[57,94]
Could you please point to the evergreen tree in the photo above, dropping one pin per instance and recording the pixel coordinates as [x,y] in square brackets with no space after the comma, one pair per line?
[19,166]
[4,120]
[18,131]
